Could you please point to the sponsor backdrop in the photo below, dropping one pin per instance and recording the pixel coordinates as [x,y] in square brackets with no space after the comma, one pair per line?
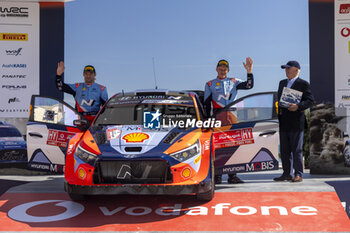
[330,84]
[19,54]
[342,55]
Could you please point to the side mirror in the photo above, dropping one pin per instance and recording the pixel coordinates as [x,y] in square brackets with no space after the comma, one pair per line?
[82,125]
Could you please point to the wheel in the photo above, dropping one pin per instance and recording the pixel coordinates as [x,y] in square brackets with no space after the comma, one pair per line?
[77,197]
[209,195]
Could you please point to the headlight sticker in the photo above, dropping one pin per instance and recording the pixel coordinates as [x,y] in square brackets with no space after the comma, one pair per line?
[197,159]
[113,133]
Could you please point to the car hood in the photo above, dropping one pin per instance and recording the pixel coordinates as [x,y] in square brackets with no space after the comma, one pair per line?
[132,139]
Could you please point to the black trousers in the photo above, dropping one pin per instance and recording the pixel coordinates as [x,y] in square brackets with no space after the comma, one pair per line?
[291,147]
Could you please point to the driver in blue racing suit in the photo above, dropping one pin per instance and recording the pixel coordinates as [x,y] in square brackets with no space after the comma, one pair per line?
[222,91]
[89,96]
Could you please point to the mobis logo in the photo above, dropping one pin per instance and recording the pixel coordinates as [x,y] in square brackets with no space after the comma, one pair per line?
[14,12]
[14,87]
[344,9]
[14,52]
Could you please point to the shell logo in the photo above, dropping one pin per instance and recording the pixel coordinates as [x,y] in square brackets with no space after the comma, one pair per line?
[136,137]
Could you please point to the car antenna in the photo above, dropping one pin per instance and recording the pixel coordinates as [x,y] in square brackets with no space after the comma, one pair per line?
[154,74]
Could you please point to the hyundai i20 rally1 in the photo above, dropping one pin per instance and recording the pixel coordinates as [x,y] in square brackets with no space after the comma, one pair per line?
[153,142]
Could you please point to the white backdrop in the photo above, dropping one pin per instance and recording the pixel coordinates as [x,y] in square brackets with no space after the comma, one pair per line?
[19,57]
[342,55]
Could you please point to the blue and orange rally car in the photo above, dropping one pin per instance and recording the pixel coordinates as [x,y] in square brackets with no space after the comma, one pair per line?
[152,142]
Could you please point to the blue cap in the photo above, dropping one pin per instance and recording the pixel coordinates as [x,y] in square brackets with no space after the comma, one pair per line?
[291,64]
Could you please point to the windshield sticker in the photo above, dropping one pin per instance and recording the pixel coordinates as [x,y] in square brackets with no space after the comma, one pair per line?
[167,101]
[113,133]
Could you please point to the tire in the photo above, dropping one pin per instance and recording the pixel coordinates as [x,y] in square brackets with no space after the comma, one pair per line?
[77,197]
[209,195]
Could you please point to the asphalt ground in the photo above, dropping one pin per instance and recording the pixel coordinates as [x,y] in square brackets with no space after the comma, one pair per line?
[38,203]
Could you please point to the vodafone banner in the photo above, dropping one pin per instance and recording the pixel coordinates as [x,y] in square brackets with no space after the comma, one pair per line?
[19,57]
[342,55]
[227,212]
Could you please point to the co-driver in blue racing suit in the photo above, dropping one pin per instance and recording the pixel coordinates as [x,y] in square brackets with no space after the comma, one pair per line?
[89,96]
[222,91]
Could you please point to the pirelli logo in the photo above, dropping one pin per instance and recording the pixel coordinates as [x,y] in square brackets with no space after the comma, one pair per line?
[14,36]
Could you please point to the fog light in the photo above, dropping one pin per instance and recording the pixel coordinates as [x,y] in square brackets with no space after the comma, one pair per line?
[81,173]
[186,172]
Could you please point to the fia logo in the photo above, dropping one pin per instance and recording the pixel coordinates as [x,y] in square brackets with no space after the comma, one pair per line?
[151,120]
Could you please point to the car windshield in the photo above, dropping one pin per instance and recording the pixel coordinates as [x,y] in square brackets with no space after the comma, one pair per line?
[132,112]
[9,132]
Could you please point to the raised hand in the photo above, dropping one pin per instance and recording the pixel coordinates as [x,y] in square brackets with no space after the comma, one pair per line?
[60,68]
[248,65]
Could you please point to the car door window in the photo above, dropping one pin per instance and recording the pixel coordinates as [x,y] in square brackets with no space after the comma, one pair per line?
[256,107]
[52,111]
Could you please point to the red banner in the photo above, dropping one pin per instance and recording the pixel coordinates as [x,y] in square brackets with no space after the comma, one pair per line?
[58,138]
[233,138]
[237,211]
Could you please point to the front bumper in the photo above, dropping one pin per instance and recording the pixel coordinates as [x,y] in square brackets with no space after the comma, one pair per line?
[135,189]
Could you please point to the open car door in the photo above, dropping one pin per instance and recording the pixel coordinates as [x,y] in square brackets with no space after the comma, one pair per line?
[49,129]
[247,140]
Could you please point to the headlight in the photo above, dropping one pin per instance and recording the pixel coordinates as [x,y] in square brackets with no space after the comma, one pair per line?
[85,155]
[187,153]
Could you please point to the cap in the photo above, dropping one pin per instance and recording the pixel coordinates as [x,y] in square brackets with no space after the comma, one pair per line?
[89,68]
[291,64]
[223,63]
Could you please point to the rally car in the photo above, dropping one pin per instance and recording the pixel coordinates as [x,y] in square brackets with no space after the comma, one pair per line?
[13,148]
[152,142]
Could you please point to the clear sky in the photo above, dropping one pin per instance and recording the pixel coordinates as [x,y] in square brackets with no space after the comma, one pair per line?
[186,38]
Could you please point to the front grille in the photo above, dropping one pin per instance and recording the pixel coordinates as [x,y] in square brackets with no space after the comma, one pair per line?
[132,172]
[13,155]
